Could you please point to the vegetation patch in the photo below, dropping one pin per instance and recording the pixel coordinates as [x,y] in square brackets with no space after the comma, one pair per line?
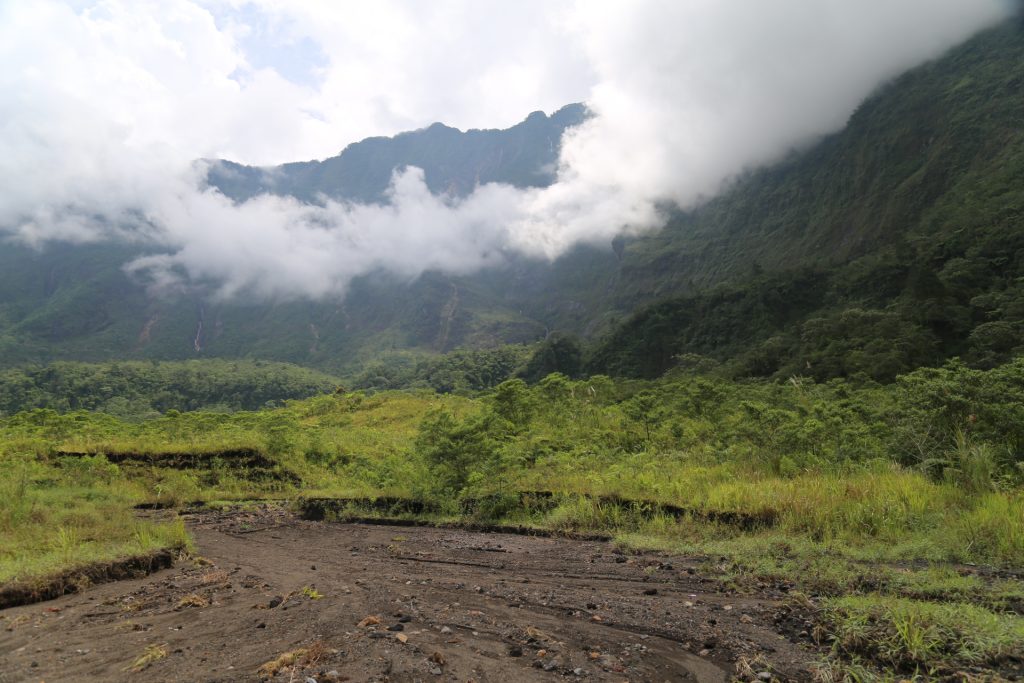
[923,638]
[152,653]
[79,578]
[240,458]
[842,489]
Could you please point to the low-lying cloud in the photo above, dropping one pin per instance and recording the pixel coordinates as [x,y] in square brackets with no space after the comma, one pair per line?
[103,111]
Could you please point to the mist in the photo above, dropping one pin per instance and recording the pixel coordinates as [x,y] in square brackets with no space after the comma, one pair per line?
[104,110]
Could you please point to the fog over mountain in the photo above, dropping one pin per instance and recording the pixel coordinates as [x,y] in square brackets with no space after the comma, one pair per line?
[106,112]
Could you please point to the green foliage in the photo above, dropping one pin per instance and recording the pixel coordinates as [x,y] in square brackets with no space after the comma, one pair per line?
[513,401]
[892,245]
[458,371]
[134,389]
[561,353]
[846,466]
[922,638]
[456,449]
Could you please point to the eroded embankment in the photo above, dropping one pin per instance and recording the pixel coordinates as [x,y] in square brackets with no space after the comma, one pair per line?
[540,502]
[247,463]
[79,578]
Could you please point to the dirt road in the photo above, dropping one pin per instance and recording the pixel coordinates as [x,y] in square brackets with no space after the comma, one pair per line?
[382,603]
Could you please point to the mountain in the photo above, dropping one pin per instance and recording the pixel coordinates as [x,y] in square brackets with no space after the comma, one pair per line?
[896,242]
[75,302]
[453,162]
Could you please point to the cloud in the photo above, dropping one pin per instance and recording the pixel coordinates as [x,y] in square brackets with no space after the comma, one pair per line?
[277,247]
[104,108]
[690,94]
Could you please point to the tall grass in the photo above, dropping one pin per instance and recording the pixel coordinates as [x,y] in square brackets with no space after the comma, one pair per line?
[920,637]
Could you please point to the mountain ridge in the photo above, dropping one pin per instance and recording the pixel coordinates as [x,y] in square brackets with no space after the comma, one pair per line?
[906,223]
[453,161]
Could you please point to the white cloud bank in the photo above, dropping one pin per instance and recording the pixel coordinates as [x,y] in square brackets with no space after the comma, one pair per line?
[103,109]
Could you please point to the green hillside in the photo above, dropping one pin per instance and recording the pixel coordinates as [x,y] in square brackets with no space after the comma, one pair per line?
[137,389]
[894,243]
[74,302]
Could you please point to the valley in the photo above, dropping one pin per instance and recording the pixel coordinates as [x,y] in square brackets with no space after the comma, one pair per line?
[713,378]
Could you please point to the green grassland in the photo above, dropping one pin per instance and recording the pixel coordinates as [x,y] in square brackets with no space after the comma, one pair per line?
[870,497]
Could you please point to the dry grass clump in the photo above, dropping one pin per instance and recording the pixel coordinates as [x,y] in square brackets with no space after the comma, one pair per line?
[152,653]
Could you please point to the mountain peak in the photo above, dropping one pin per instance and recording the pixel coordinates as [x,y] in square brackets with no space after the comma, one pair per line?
[453,161]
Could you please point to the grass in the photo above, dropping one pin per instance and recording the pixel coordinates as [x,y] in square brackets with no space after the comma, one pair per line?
[50,522]
[284,661]
[921,638]
[152,653]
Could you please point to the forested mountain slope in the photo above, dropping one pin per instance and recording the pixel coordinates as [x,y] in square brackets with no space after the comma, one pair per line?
[75,302]
[893,243]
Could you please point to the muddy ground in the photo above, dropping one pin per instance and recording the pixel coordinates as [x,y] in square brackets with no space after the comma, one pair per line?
[383,603]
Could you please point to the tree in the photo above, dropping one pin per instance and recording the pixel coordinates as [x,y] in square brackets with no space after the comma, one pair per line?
[558,353]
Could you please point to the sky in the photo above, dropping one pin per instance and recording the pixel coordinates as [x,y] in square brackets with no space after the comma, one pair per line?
[106,105]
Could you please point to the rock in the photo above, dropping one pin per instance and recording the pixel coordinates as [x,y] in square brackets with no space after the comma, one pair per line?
[396,627]
[515,651]
[436,670]
[578,671]
[651,591]
[261,625]
[746,619]
[764,675]
[704,653]
[445,630]
[404,619]
[401,637]
[310,679]
[591,605]
[275,601]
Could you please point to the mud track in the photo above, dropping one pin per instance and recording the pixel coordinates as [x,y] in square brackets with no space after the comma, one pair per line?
[453,605]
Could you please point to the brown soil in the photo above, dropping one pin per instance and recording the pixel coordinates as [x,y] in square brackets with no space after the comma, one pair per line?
[471,606]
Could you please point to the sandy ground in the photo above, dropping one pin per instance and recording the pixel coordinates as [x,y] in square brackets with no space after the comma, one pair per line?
[452,605]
